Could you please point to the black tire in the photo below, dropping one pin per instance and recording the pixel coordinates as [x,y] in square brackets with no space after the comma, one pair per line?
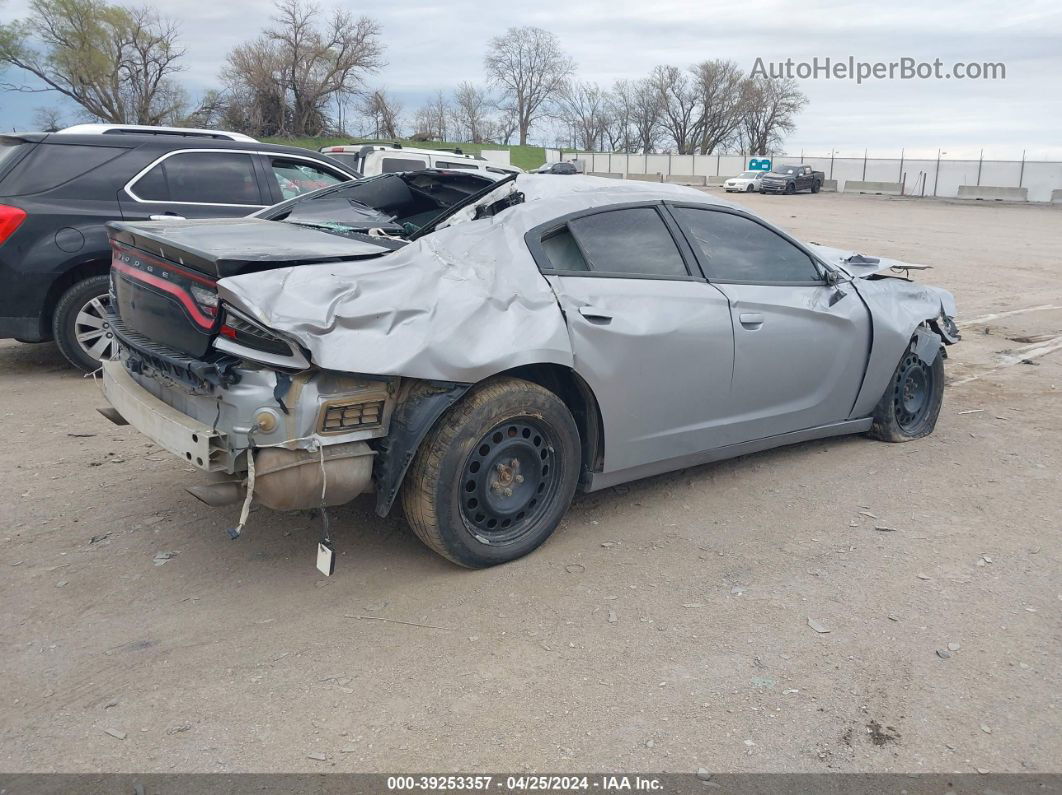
[911,403]
[790,187]
[83,301]
[815,186]
[464,498]
[762,192]
[750,189]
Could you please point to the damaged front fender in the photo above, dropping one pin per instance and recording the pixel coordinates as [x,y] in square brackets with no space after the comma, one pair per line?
[901,311]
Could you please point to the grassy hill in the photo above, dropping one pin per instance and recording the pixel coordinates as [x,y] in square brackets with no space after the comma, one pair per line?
[525,157]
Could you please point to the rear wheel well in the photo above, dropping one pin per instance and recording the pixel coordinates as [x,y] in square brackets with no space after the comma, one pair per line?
[569,386]
[80,272]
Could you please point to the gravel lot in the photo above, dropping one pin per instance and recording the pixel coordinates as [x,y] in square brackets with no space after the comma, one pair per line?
[665,627]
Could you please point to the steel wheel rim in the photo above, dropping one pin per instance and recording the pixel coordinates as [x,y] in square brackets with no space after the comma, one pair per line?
[912,393]
[92,329]
[508,481]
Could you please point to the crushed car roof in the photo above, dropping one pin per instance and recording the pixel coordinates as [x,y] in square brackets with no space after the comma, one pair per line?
[459,304]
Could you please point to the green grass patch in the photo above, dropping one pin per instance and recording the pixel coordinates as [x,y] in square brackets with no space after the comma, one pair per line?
[526,157]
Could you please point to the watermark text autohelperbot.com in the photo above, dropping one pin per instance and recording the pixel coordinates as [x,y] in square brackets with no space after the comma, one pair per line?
[902,69]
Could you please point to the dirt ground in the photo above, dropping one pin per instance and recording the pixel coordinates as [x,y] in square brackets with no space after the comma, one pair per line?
[665,627]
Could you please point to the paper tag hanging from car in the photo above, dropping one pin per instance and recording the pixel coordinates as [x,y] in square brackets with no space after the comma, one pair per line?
[326,558]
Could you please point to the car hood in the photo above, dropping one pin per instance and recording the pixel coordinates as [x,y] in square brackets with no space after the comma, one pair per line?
[860,266]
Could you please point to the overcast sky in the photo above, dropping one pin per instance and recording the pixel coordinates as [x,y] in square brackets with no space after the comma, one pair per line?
[437,45]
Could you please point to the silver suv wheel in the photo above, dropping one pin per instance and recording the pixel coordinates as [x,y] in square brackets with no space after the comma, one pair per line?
[92,330]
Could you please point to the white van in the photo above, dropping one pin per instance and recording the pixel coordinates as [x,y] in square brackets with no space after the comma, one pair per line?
[372,159]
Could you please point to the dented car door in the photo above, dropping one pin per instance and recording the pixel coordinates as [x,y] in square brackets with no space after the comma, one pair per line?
[638,316]
[800,344]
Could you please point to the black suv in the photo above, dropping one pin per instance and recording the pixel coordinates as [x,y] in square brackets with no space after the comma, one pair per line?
[58,190]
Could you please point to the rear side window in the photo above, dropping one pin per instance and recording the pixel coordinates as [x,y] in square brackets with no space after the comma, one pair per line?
[51,165]
[630,242]
[563,252]
[451,164]
[392,164]
[737,249]
[201,178]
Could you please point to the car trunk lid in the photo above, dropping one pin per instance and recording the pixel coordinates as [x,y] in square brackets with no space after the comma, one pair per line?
[164,273]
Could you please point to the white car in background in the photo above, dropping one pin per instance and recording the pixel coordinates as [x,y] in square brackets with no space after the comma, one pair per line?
[372,159]
[745,182]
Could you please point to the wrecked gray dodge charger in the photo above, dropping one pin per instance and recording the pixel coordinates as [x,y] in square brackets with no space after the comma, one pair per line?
[479,356]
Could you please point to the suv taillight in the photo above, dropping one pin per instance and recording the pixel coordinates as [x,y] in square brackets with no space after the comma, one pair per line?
[10,219]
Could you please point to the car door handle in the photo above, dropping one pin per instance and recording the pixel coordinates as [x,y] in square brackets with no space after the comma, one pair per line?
[595,315]
[751,320]
[167,217]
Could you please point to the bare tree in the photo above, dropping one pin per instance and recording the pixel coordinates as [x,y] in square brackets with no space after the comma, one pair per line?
[584,108]
[291,73]
[432,119]
[48,119]
[383,112]
[719,86]
[679,106]
[470,113]
[114,62]
[208,112]
[504,125]
[620,104]
[529,66]
[771,107]
[257,100]
[646,110]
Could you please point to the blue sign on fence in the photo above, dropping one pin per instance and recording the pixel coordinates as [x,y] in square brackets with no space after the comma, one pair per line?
[760,164]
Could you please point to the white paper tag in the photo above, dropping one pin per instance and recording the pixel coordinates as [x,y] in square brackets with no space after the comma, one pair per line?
[326,558]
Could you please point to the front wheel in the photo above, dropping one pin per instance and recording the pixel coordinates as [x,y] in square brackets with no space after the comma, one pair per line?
[493,480]
[911,403]
[80,324]
[790,187]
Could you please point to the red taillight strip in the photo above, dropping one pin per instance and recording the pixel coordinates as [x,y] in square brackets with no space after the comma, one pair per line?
[201,319]
[140,255]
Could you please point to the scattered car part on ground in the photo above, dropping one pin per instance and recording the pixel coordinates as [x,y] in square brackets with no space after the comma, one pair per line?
[539,336]
[58,190]
[792,179]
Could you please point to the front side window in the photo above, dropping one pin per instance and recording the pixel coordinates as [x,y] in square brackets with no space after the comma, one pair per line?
[737,249]
[201,178]
[296,177]
[628,242]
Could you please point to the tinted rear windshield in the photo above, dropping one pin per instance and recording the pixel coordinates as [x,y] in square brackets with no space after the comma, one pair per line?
[50,165]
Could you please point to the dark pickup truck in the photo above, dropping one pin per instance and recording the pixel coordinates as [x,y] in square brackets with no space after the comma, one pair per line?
[790,179]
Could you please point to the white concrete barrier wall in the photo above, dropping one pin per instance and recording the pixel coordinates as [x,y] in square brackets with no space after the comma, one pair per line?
[993,193]
[920,177]
[685,179]
[868,186]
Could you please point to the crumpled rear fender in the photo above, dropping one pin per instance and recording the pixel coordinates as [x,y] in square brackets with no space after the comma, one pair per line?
[901,311]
